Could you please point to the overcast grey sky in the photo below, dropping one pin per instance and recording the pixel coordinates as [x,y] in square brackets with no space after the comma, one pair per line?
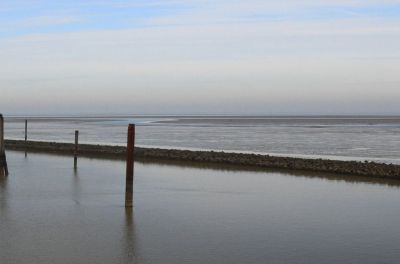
[200,57]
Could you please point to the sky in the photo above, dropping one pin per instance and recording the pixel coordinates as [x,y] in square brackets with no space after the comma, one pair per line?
[269,57]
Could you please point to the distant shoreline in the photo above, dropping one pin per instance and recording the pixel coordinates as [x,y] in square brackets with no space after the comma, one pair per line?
[202,116]
[371,169]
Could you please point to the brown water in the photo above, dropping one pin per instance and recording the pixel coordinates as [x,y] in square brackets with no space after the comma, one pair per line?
[183,214]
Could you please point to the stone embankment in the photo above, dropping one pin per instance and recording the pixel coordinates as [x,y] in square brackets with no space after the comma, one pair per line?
[371,169]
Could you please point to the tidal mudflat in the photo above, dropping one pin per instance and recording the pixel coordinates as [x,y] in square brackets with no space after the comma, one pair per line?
[50,213]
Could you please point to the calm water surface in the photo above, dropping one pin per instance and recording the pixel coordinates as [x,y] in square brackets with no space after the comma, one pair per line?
[50,213]
[342,137]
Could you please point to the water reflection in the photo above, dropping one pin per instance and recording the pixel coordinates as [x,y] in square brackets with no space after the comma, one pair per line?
[129,253]
[3,193]
[348,178]
[239,168]
[3,181]
[76,187]
[192,213]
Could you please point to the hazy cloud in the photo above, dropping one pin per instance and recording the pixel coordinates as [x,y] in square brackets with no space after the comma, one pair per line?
[200,56]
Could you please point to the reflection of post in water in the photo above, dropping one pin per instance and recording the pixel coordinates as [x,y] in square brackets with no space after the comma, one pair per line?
[76,149]
[2,179]
[129,233]
[129,166]
[3,194]
[75,169]
[76,187]
[3,159]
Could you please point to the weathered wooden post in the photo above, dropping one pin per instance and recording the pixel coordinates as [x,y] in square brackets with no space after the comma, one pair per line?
[3,159]
[26,131]
[76,149]
[129,166]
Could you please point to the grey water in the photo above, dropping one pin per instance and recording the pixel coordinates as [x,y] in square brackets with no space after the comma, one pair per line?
[375,138]
[51,213]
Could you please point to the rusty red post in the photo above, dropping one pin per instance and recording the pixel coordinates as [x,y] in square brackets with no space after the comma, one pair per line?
[76,149]
[129,166]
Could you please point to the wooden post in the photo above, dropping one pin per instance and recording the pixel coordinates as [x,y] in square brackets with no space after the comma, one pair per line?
[26,131]
[76,149]
[3,159]
[129,166]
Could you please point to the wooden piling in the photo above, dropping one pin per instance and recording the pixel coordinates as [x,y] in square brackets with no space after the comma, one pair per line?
[129,166]
[3,159]
[26,131]
[76,149]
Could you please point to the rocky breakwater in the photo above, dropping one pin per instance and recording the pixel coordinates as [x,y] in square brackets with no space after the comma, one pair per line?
[371,169]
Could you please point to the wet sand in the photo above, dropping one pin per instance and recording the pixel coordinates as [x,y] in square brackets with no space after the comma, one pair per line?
[50,213]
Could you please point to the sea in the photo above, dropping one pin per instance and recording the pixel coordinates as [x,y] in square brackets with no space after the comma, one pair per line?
[53,213]
[372,138]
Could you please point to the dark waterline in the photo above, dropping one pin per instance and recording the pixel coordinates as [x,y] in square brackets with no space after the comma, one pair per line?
[50,213]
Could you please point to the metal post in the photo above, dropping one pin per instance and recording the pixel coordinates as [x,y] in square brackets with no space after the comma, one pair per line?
[3,159]
[129,166]
[76,149]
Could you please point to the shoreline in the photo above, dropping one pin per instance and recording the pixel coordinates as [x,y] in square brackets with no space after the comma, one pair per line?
[370,169]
